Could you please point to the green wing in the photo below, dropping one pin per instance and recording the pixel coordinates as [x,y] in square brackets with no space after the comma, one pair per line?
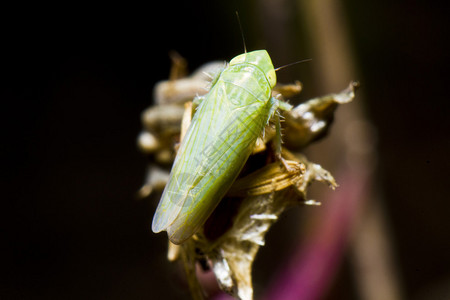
[218,142]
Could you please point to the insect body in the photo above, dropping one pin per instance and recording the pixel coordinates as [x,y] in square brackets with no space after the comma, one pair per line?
[217,144]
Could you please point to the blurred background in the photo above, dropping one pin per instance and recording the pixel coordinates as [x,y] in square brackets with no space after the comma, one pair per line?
[75,78]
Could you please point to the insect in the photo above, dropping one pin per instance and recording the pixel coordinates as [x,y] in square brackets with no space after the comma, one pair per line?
[218,142]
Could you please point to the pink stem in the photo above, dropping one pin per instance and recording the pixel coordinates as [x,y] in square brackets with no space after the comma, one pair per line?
[310,272]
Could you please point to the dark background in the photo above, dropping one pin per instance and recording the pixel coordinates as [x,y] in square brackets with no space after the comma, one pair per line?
[75,79]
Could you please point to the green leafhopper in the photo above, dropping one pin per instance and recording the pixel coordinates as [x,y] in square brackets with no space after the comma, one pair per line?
[220,138]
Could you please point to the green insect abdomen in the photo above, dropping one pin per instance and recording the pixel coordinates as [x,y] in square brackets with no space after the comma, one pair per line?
[217,144]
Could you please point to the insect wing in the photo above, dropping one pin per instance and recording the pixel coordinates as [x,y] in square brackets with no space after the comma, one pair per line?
[221,136]
[212,153]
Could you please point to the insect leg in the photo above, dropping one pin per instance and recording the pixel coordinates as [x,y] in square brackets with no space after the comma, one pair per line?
[277,141]
[284,106]
[196,103]
[197,100]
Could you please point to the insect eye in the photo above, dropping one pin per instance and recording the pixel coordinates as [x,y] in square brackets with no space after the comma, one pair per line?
[238,59]
[272,78]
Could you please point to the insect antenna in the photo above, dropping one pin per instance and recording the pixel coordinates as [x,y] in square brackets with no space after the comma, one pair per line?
[294,63]
[242,31]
